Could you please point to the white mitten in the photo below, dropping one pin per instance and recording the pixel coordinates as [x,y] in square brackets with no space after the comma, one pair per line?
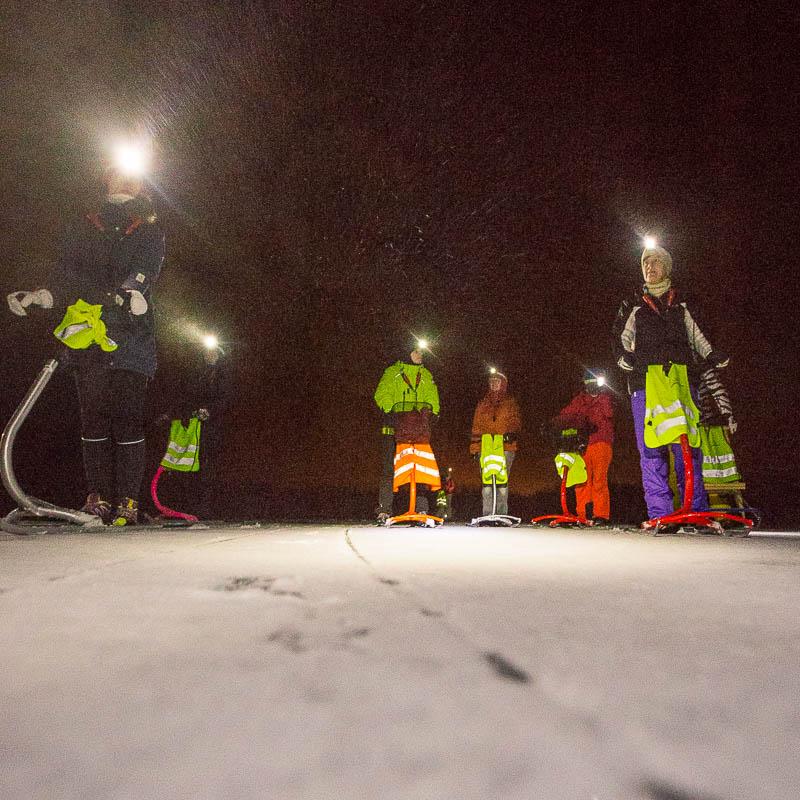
[19,301]
[134,301]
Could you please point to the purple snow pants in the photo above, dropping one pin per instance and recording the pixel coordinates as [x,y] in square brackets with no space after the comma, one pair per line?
[654,462]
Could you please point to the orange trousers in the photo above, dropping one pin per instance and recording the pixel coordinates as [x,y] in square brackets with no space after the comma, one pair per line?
[595,490]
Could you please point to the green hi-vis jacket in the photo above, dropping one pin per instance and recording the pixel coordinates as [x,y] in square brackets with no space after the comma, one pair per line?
[669,411]
[576,468]
[183,450]
[493,460]
[406,384]
[719,465]
[82,327]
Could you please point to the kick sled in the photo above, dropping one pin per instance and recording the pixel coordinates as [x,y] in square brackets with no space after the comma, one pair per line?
[570,443]
[684,520]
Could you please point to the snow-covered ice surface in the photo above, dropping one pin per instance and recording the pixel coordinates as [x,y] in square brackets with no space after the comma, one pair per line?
[360,662]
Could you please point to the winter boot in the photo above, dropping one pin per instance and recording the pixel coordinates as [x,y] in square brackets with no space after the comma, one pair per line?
[127,513]
[100,508]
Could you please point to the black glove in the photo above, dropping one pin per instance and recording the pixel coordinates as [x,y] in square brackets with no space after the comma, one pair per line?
[510,437]
[717,359]
[476,457]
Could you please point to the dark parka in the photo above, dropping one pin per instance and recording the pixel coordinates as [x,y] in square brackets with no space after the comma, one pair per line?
[659,330]
[119,248]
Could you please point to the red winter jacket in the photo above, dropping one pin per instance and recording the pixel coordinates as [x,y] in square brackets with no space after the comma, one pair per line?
[594,411]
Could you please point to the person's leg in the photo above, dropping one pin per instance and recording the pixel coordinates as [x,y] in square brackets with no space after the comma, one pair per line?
[601,498]
[653,462]
[583,491]
[128,398]
[92,382]
[502,491]
[385,492]
[699,495]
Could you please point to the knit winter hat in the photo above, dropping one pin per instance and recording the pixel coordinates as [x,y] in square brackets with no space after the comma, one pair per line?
[665,257]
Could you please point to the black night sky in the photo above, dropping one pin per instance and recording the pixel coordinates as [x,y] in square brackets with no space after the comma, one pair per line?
[334,176]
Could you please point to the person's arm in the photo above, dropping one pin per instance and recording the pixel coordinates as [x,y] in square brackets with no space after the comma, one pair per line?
[476,432]
[623,342]
[514,424]
[149,259]
[383,392]
[699,342]
[574,413]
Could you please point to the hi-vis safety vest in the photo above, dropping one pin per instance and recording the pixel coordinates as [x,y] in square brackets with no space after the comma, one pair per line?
[183,450]
[719,465]
[576,467]
[82,327]
[669,408]
[419,459]
[493,459]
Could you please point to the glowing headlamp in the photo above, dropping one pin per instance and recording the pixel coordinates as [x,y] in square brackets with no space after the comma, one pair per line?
[422,344]
[131,159]
[210,342]
[650,242]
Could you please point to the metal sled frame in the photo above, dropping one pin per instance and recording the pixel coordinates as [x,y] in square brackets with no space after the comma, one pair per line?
[565,517]
[31,506]
[412,516]
[495,519]
[714,520]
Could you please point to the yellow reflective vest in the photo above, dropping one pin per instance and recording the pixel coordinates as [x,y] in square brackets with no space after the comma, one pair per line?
[670,410]
[493,459]
[82,327]
[183,450]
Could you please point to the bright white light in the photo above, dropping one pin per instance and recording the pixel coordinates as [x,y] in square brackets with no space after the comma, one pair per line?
[492,370]
[601,381]
[650,242]
[422,344]
[210,342]
[131,159]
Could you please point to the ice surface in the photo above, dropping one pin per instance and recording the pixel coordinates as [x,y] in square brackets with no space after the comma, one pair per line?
[336,662]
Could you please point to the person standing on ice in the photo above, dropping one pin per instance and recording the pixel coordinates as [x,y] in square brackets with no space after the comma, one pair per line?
[404,388]
[497,414]
[658,327]
[591,409]
[112,258]
[205,393]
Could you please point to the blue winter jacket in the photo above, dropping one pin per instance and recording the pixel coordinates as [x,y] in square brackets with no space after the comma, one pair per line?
[121,247]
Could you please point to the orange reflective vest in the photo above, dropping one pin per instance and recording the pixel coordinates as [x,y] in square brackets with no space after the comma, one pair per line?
[417,459]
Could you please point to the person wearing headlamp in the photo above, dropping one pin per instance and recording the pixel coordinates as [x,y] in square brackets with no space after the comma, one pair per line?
[112,257]
[591,409]
[658,327]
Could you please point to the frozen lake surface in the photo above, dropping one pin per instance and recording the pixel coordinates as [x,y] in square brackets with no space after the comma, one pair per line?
[329,661]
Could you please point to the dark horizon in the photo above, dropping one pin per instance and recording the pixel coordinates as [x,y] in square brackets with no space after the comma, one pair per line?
[333,178]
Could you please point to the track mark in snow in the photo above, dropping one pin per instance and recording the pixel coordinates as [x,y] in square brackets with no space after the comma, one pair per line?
[658,790]
[289,638]
[505,669]
[357,633]
[429,612]
[389,581]
[237,584]
[264,584]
